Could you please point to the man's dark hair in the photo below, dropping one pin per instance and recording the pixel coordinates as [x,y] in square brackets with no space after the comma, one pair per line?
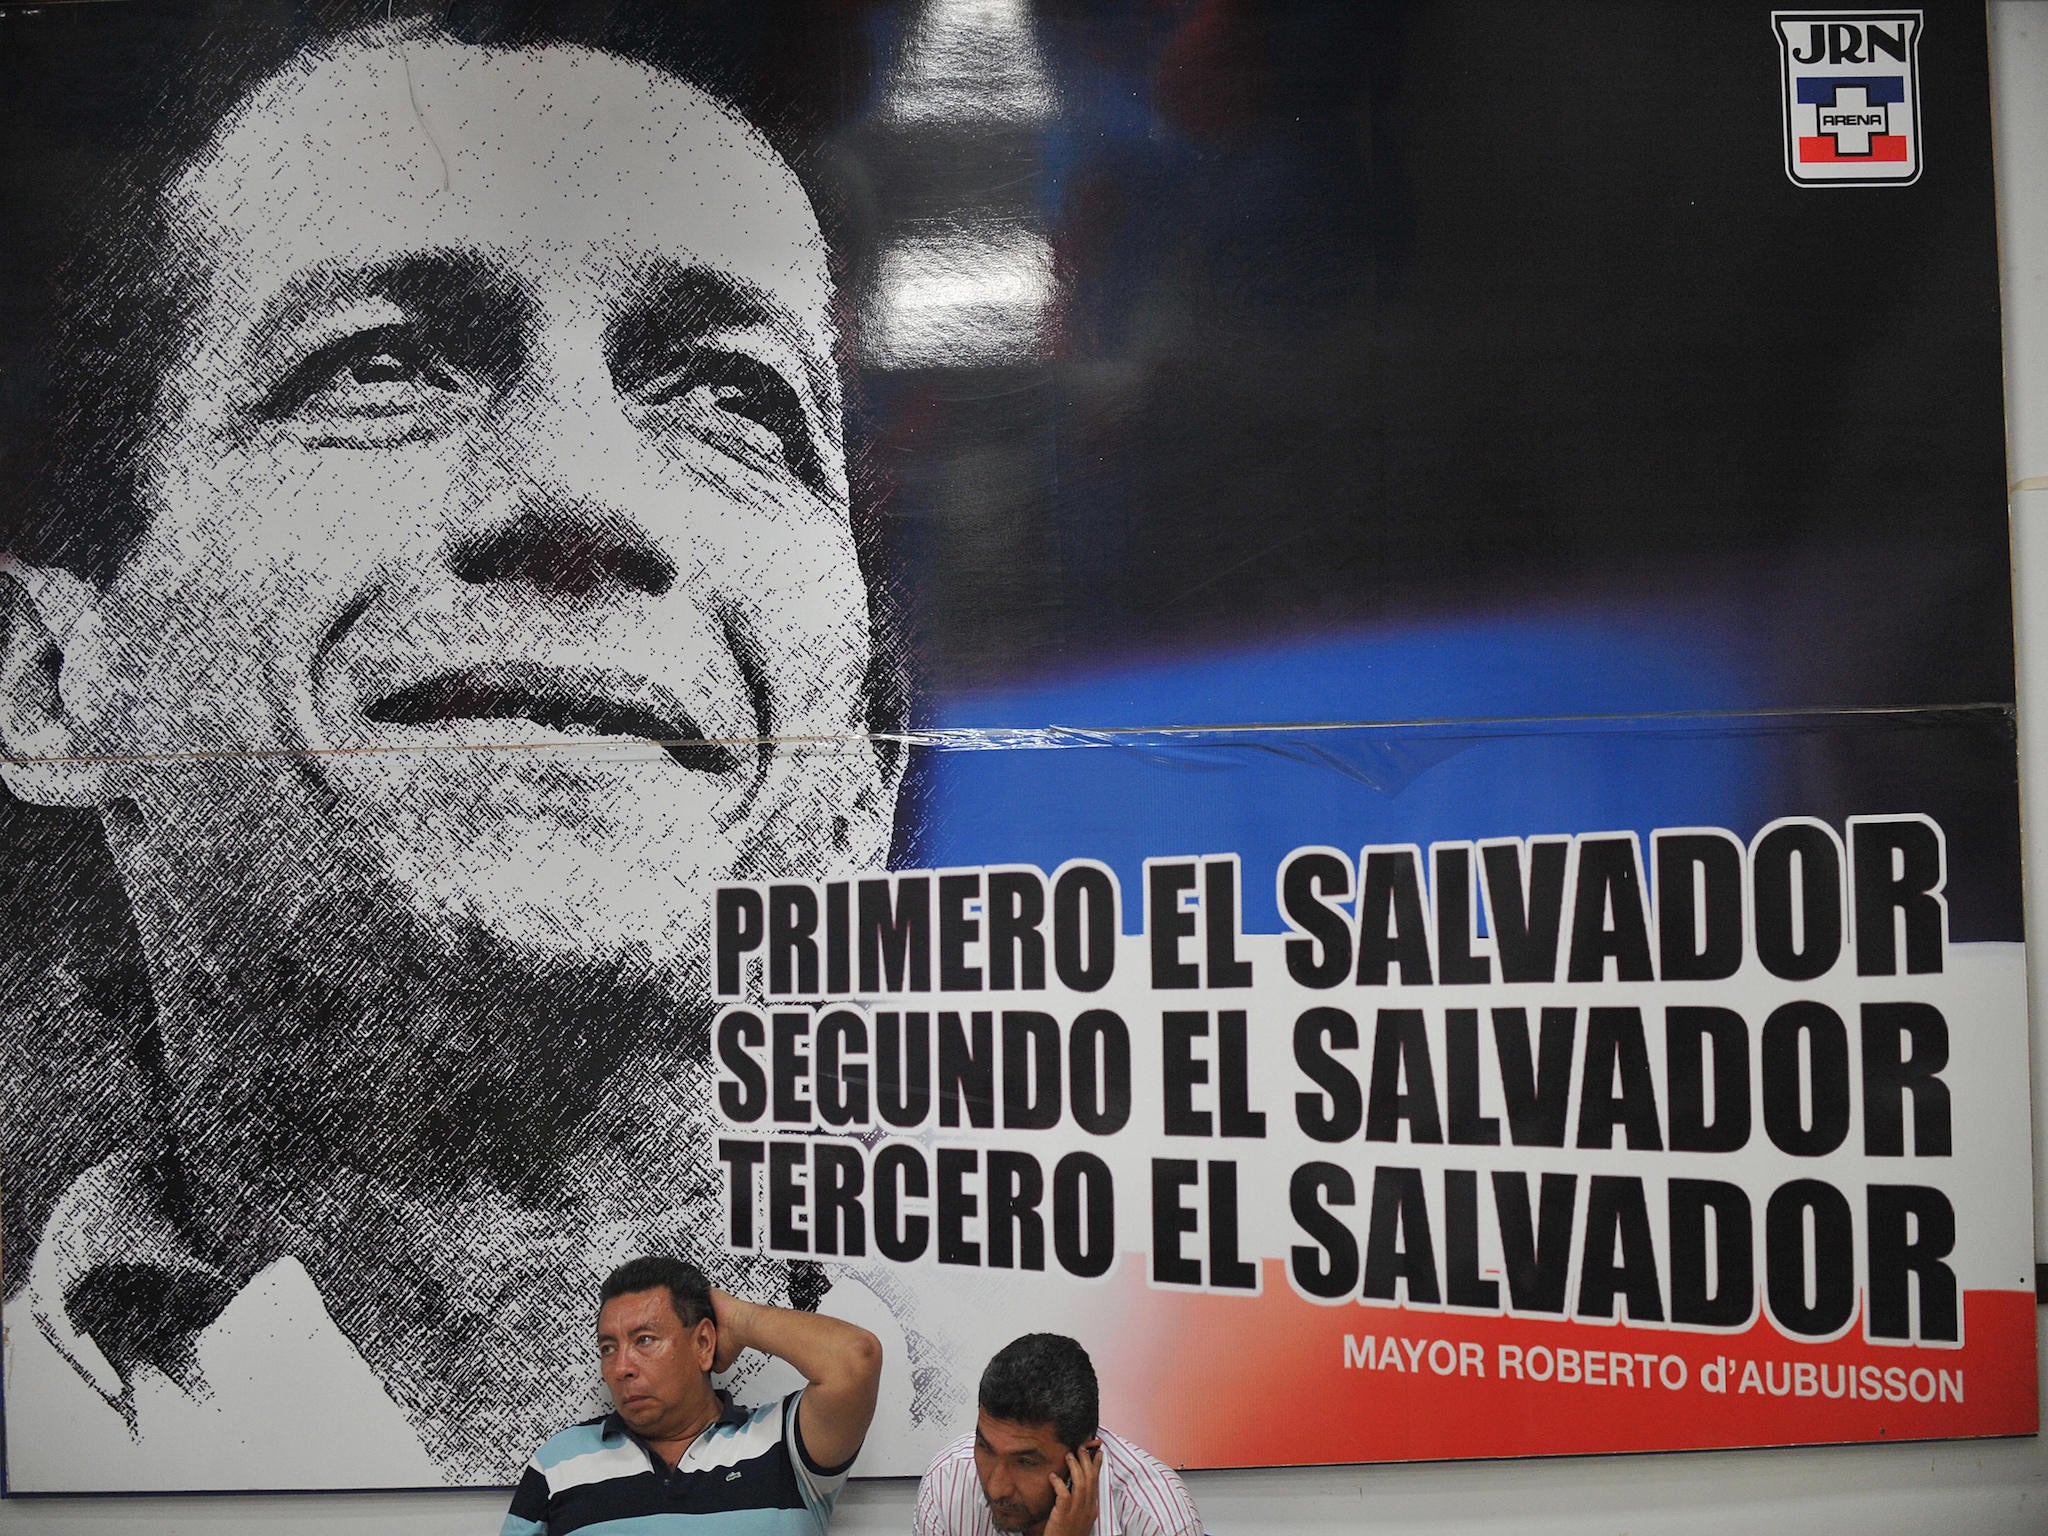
[688,1291]
[1043,1378]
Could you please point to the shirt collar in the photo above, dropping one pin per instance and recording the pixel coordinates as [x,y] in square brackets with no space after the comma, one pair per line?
[730,1416]
[116,1285]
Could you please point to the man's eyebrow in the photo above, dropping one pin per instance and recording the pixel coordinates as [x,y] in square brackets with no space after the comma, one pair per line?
[675,300]
[434,280]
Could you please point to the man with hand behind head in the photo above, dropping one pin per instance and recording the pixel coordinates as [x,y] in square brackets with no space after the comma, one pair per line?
[1039,1464]
[674,1454]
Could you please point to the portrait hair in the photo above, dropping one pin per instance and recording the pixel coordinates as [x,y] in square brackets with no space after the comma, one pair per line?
[688,1291]
[1043,1378]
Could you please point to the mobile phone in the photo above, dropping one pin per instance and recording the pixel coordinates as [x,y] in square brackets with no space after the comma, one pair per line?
[1089,1452]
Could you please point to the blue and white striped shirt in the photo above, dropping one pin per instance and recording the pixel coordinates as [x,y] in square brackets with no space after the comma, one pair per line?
[747,1475]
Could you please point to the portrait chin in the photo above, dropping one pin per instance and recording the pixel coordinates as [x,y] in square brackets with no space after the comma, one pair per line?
[602,852]
[589,860]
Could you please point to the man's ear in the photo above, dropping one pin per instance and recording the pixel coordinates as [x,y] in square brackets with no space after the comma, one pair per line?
[864,838]
[704,1343]
[863,834]
[41,756]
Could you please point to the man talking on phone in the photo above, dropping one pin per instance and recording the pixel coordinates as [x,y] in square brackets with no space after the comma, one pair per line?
[1039,1464]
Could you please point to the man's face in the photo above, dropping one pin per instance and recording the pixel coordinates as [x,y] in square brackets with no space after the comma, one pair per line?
[507,414]
[1015,1463]
[655,1368]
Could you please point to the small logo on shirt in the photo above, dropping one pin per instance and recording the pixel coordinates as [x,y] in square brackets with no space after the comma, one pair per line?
[1852,96]
[733,1476]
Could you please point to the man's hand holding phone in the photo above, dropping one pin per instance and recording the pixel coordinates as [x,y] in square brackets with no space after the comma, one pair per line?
[1074,1495]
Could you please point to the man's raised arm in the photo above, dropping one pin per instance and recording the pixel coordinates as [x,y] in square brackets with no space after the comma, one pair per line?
[842,1362]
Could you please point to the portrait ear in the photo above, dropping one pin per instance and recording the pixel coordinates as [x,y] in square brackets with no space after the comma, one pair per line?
[863,833]
[41,760]
[863,837]
[704,1343]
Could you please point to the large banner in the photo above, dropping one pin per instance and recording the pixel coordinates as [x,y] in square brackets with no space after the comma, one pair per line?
[1321,692]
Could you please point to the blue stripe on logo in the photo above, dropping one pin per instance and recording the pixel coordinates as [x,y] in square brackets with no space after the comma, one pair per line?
[1819,90]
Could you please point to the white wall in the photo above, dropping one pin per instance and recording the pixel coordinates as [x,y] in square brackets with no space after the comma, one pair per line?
[1954,1488]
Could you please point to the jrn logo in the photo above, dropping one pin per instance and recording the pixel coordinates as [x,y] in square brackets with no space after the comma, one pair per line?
[1851,96]
[1847,42]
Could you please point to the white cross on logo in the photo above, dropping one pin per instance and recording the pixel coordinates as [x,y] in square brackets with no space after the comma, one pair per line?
[1852,120]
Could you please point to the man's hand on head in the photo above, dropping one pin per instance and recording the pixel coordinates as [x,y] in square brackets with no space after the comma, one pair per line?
[1075,1495]
[729,1317]
[842,1363]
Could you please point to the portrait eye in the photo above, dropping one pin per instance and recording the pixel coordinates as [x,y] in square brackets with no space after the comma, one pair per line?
[383,376]
[740,405]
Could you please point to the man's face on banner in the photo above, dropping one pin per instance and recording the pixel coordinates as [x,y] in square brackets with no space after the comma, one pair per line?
[507,413]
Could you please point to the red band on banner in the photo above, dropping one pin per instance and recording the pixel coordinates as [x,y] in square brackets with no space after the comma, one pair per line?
[1820,150]
[1233,1382]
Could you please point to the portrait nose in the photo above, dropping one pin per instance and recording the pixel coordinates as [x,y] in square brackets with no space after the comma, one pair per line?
[558,501]
[557,550]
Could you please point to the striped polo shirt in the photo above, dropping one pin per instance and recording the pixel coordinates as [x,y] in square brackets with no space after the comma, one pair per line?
[1136,1494]
[747,1475]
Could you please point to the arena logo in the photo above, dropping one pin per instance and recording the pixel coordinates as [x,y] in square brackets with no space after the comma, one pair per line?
[1852,96]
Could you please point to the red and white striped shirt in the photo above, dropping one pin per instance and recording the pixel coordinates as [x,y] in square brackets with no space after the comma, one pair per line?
[1136,1495]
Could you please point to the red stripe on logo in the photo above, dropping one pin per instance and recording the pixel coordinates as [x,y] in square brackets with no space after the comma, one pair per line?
[1883,146]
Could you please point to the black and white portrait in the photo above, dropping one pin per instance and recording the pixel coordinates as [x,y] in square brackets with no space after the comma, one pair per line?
[442,571]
